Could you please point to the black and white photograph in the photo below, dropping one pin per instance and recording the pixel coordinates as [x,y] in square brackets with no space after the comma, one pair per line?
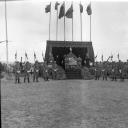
[64,63]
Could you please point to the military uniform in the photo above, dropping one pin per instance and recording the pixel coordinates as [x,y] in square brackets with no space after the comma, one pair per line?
[114,74]
[17,72]
[97,74]
[122,74]
[104,74]
[36,72]
[54,70]
[27,72]
[45,72]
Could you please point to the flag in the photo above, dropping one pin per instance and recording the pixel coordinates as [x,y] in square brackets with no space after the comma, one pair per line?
[42,55]
[95,56]
[62,11]
[56,5]
[48,8]
[108,58]
[26,56]
[81,8]
[16,56]
[2,41]
[34,56]
[118,56]
[89,10]
[102,57]
[111,57]
[69,13]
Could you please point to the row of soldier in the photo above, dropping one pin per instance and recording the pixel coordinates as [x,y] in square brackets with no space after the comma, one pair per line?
[26,70]
[113,70]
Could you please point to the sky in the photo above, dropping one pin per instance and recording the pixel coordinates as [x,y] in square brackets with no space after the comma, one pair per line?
[28,27]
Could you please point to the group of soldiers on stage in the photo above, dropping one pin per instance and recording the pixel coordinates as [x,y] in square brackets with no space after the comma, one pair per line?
[113,70]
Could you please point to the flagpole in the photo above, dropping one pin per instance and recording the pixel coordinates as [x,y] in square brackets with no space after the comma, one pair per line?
[6,33]
[57,24]
[72,21]
[50,21]
[81,23]
[90,26]
[64,20]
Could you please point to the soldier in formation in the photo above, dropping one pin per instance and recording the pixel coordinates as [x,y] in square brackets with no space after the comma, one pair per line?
[45,74]
[17,71]
[97,73]
[36,71]
[27,71]
[104,72]
[55,70]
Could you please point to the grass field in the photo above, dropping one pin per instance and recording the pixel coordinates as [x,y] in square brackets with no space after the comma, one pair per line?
[64,104]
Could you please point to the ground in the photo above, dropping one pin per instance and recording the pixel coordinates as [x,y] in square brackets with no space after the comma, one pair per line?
[64,104]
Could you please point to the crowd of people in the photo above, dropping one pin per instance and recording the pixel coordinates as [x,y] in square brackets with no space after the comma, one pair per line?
[113,70]
[100,70]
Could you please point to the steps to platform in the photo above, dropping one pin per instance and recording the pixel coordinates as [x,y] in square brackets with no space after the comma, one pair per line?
[73,74]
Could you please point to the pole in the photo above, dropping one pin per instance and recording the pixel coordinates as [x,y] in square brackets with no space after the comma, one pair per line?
[57,24]
[90,26]
[50,22]
[64,20]
[81,23]
[6,33]
[72,21]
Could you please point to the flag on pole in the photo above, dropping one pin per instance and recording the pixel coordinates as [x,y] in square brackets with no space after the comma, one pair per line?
[34,56]
[2,41]
[69,13]
[26,56]
[118,56]
[62,11]
[95,56]
[16,56]
[56,5]
[111,57]
[102,57]
[89,10]
[48,8]
[81,8]
[42,55]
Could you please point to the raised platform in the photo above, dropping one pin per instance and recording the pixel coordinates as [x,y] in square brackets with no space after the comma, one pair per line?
[61,48]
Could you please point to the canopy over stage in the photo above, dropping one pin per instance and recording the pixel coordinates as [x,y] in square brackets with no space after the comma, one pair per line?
[61,48]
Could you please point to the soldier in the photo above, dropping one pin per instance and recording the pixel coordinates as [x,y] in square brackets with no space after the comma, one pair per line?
[113,74]
[46,75]
[36,72]
[104,73]
[27,71]
[55,70]
[17,71]
[97,74]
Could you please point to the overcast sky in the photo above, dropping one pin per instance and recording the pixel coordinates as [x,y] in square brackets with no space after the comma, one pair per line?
[28,27]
